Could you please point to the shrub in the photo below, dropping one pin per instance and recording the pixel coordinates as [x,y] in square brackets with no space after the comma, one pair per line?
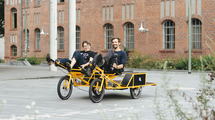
[32,60]
[1,61]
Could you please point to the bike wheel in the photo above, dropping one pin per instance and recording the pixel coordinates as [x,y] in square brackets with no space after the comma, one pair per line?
[62,90]
[94,93]
[135,92]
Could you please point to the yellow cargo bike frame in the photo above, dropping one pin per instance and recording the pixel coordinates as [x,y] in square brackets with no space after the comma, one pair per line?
[99,81]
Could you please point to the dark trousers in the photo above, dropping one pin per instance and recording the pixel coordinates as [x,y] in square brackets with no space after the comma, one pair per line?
[78,57]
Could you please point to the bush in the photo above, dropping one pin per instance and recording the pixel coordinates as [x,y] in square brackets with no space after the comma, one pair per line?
[32,60]
[146,62]
[1,61]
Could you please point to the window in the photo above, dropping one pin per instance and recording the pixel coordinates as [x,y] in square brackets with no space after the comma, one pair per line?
[129,35]
[37,39]
[26,3]
[60,35]
[37,2]
[169,7]
[60,1]
[13,50]
[169,34]
[14,18]
[78,37]
[108,35]
[196,34]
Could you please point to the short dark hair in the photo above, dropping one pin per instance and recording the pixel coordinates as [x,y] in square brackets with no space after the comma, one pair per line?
[119,40]
[87,42]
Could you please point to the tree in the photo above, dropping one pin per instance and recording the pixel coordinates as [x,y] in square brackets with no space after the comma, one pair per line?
[1,18]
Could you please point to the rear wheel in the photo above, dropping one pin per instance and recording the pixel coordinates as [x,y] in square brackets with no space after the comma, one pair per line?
[135,92]
[63,92]
[94,93]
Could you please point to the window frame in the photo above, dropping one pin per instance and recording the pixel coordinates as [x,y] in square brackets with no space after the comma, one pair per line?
[26,3]
[60,1]
[60,30]
[37,38]
[108,29]
[197,43]
[37,1]
[170,43]
[78,38]
[130,44]
[14,18]
[13,51]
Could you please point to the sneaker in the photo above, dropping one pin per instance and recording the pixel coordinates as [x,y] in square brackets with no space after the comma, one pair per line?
[48,59]
[100,61]
[56,62]
[87,71]
[68,66]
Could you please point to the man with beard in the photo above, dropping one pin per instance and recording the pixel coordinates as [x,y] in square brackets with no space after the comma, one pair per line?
[114,60]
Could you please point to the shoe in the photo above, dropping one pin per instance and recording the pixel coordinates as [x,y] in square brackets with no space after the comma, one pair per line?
[100,61]
[87,71]
[68,66]
[56,62]
[48,59]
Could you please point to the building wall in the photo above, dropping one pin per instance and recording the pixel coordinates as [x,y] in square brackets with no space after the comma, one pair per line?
[92,26]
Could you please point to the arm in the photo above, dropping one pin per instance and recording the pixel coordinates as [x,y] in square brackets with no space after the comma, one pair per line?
[90,60]
[123,61]
[118,66]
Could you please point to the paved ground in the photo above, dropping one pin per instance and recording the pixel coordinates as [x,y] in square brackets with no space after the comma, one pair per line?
[22,85]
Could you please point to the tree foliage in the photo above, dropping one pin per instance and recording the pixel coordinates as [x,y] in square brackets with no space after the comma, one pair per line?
[1,18]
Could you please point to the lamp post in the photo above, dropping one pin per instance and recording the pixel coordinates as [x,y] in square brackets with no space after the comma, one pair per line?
[72,27]
[26,46]
[53,32]
[141,29]
[189,38]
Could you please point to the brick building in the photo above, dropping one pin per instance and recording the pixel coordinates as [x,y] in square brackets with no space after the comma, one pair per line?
[99,20]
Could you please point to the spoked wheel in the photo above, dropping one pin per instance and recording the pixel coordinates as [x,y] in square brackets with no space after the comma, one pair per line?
[63,92]
[135,92]
[94,93]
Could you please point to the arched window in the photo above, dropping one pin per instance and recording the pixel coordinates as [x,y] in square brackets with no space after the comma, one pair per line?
[168,35]
[108,34]
[37,39]
[14,50]
[78,37]
[60,35]
[129,35]
[196,34]
[14,18]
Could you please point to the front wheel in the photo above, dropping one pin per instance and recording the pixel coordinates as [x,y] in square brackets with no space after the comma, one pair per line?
[94,93]
[135,92]
[63,92]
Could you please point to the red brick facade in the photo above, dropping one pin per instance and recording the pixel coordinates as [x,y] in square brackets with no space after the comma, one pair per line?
[92,26]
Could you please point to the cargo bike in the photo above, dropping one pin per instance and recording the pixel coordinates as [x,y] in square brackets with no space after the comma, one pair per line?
[99,81]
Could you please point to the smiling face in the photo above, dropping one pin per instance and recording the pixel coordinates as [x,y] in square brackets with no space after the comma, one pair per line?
[86,47]
[115,43]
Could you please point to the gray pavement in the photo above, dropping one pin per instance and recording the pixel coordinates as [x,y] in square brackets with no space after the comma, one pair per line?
[22,85]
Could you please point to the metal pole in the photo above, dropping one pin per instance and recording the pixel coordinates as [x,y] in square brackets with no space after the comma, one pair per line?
[72,27]
[53,32]
[26,37]
[21,25]
[189,38]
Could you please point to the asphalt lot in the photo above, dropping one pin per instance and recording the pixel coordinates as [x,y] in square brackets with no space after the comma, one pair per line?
[22,85]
